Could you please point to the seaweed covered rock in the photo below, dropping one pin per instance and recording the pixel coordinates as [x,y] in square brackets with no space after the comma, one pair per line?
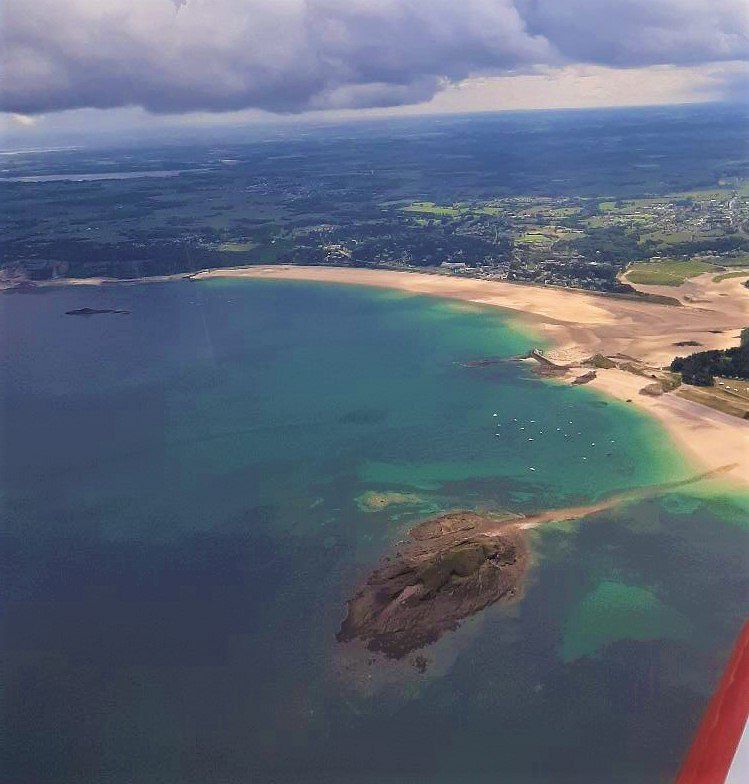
[600,361]
[586,378]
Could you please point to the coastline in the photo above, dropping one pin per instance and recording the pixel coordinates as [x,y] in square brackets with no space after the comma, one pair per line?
[580,325]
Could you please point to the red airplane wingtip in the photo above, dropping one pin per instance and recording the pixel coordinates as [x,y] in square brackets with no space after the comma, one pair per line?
[718,736]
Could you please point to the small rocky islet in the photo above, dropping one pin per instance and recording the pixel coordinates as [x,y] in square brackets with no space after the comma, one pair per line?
[96,312]
[450,567]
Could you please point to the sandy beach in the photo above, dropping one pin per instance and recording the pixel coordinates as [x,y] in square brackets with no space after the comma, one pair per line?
[579,325]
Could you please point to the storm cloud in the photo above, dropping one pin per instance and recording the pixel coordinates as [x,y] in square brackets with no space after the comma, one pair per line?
[298,55]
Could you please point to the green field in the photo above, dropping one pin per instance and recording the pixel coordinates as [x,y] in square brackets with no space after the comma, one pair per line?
[533,238]
[236,247]
[671,237]
[721,194]
[430,208]
[666,272]
[545,234]
[627,206]
[737,260]
[612,218]
[727,275]
[550,213]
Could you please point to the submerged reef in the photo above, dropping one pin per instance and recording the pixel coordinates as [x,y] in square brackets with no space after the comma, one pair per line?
[372,501]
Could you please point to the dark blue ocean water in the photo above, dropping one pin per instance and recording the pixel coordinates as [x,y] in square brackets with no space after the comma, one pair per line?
[182,523]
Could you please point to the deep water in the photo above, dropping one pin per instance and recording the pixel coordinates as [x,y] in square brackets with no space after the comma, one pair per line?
[181,497]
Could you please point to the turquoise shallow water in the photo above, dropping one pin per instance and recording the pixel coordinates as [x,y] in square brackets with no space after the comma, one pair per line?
[181,531]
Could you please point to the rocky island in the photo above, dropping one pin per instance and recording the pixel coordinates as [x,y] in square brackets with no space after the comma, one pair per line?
[454,565]
[450,568]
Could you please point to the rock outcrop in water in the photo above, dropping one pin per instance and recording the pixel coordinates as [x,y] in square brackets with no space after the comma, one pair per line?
[95,312]
[451,567]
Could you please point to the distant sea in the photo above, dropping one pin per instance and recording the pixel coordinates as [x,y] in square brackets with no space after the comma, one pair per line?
[183,518]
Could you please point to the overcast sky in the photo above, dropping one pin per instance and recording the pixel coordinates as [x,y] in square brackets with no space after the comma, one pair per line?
[71,64]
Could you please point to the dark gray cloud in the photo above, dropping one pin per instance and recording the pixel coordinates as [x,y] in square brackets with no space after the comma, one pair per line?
[642,32]
[297,55]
